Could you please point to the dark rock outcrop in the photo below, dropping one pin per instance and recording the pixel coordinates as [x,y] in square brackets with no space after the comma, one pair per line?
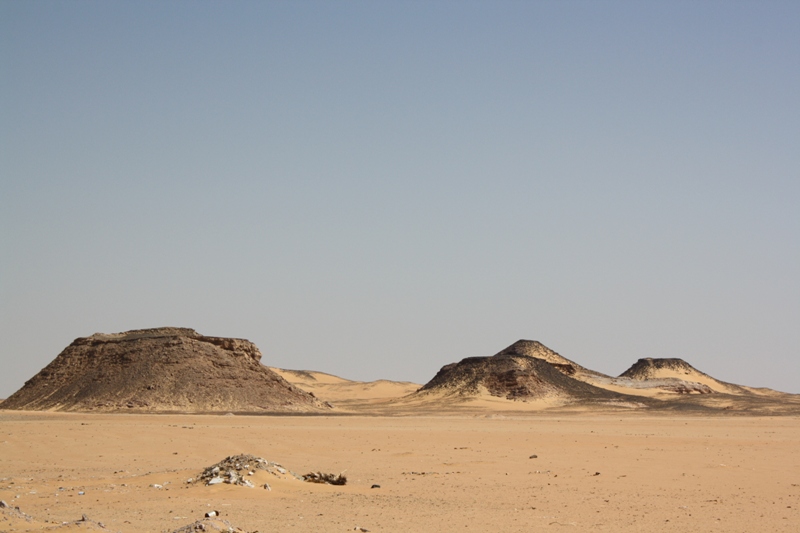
[162,369]
[649,368]
[690,379]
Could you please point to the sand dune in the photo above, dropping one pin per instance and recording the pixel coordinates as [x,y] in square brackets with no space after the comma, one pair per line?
[344,393]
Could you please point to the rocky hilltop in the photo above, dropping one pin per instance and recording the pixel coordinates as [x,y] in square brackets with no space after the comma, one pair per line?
[678,370]
[161,370]
[540,351]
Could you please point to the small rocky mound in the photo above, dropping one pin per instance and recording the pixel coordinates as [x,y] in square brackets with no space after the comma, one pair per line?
[515,377]
[209,524]
[161,370]
[235,469]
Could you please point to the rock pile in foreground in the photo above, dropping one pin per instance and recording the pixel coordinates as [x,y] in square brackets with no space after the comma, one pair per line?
[210,525]
[161,370]
[235,470]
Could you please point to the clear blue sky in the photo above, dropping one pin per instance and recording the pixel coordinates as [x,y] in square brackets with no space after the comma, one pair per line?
[376,189]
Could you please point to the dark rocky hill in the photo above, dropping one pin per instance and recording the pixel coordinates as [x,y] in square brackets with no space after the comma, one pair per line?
[529,372]
[514,375]
[162,369]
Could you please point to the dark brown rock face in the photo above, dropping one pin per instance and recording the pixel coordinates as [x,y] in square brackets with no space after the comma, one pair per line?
[162,369]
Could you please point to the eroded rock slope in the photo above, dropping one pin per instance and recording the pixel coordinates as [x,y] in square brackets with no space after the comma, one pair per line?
[161,369]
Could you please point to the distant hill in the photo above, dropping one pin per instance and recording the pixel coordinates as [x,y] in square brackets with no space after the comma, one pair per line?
[157,370]
[514,377]
[649,369]
[529,373]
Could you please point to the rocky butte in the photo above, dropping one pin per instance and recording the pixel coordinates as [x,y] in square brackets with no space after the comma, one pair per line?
[161,370]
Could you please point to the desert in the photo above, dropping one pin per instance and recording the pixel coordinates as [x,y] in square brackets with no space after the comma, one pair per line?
[468,473]
[522,440]
[399,266]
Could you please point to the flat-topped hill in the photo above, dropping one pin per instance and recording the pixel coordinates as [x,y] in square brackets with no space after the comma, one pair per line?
[649,368]
[161,369]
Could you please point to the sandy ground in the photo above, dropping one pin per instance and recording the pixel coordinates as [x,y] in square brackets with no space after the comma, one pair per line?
[596,472]
[345,394]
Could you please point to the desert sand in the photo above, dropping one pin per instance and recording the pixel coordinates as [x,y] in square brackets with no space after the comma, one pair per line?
[524,440]
[596,472]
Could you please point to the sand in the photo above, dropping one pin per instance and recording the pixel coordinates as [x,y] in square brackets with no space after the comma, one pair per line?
[594,472]
[345,394]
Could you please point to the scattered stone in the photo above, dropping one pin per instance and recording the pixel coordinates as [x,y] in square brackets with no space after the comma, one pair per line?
[266,486]
[329,479]
[7,510]
[533,457]
[157,486]
[363,529]
[210,524]
[375,487]
[233,469]
[597,473]
[212,514]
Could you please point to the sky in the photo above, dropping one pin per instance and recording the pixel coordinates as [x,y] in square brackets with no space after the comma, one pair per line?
[377,189]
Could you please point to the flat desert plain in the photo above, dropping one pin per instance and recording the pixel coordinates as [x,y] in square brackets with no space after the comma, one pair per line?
[592,472]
